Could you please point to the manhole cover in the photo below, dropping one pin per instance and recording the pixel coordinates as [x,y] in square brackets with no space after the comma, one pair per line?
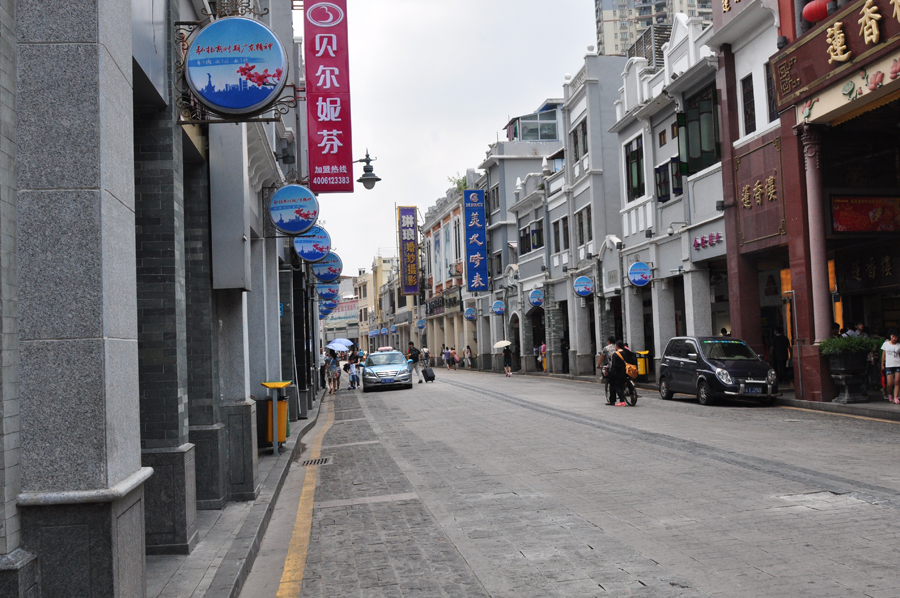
[322,461]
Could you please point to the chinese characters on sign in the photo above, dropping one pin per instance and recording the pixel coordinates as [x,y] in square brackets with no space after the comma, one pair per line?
[476,239]
[409,249]
[865,214]
[759,192]
[328,96]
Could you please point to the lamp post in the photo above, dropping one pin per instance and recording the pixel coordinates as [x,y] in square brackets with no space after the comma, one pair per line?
[369,178]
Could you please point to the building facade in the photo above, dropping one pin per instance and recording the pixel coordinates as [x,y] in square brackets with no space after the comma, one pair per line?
[622,23]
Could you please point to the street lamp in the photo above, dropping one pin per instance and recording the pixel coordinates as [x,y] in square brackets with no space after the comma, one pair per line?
[368,179]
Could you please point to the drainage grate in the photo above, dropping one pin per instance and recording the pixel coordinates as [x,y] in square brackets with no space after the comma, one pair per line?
[322,461]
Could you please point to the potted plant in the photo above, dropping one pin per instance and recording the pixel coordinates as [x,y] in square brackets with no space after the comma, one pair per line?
[848,364]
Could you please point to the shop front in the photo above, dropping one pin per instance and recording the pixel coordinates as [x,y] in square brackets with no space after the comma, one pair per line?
[838,88]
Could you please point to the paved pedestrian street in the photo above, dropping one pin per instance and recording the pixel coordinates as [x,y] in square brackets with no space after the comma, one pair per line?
[482,485]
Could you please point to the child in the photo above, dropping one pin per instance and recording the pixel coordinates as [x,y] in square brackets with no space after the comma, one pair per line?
[354,377]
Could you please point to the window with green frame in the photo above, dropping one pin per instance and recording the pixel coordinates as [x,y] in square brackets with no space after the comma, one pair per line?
[699,145]
[663,191]
[634,168]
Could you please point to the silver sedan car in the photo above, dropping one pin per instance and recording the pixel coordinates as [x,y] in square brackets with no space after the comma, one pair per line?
[386,369]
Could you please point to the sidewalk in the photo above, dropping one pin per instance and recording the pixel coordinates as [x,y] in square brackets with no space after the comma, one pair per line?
[229,539]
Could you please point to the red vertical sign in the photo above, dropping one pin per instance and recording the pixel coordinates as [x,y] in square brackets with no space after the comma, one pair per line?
[328,97]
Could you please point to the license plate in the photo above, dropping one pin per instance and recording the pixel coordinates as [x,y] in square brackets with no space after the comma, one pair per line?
[754,390]
[387,380]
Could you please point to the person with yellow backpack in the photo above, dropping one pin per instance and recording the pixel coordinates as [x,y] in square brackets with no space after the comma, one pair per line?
[623,367]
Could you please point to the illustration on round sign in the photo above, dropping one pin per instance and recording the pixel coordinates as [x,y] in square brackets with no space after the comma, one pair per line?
[420,324]
[236,65]
[639,274]
[294,209]
[329,268]
[326,291]
[469,314]
[384,331]
[313,245]
[499,308]
[584,286]
[536,297]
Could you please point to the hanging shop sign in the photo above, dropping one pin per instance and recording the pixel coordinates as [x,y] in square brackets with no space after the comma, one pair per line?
[313,245]
[452,300]
[584,286]
[393,330]
[434,306]
[476,241]
[329,268]
[328,97]
[409,249]
[384,331]
[330,305]
[499,308]
[420,324]
[639,274]
[536,297]
[469,314]
[236,66]
[327,291]
[865,214]
[293,209]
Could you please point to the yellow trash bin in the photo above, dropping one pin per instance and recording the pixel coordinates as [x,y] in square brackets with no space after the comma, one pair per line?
[642,358]
[282,421]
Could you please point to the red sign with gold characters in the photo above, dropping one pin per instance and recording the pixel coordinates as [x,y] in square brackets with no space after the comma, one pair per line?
[865,214]
[855,35]
[328,97]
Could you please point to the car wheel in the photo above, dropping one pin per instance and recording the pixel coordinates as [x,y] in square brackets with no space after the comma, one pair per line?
[664,391]
[703,395]
[767,401]
[408,386]
[366,388]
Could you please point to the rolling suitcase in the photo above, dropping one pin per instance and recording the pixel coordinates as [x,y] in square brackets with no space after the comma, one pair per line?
[428,374]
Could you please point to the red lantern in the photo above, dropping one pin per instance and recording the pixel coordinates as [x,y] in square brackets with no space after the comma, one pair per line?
[816,11]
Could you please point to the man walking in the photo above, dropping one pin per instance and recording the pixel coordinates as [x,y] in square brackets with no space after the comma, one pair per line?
[617,374]
[781,354]
[414,354]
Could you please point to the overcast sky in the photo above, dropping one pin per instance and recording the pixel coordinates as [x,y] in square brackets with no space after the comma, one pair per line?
[432,85]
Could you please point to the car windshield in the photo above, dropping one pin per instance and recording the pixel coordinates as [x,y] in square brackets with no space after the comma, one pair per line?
[728,349]
[385,359]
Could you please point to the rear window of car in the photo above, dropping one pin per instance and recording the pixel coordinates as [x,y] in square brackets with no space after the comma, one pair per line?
[728,349]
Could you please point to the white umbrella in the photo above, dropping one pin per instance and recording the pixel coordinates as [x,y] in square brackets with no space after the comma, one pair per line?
[336,346]
[343,341]
[500,344]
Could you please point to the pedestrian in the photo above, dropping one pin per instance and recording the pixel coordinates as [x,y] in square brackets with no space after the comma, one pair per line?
[607,352]
[890,366]
[781,354]
[537,356]
[564,349]
[724,332]
[415,355]
[454,358]
[835,329]
[859,330]
[544,355]
[468,355]
[443,352]
[323,381]
[354,376]
[618,373]
[447,357]
[507,361]
[333,371]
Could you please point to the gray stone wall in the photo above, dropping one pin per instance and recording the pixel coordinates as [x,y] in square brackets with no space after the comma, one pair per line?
[9,338]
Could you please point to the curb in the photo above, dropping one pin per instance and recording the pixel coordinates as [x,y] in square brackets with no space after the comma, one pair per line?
[232,573]
[859,409]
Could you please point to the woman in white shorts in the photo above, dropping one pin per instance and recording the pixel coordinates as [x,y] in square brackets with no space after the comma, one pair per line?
[890,365]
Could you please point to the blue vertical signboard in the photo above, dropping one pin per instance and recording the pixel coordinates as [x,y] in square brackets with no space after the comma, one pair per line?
[476,241]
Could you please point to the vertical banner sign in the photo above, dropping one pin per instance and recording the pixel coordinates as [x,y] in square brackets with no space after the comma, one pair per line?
[328,97]
[476,241]
[409,249]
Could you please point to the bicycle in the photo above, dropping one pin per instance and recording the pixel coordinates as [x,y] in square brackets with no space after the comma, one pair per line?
[631,395]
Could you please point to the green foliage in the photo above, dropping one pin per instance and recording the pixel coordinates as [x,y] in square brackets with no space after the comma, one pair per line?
[847,344]
[458,181]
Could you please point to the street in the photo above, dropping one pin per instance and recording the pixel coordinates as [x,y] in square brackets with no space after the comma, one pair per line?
[481,485]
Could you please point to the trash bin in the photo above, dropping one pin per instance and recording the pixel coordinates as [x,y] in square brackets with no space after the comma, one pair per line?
[282,421]
[643,363]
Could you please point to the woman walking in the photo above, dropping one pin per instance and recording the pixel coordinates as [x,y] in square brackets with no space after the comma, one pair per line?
[890,365]
[333,370]
[468,355]
[454,357]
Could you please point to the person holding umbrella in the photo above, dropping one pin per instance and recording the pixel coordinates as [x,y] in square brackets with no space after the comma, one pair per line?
[507,356]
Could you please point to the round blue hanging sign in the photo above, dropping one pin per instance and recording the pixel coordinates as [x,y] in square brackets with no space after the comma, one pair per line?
[313,245]
[469,314]
[329,268]
[536,297]
[384,331]
[236,65]
[420,324]
[328,304]
[499,308]
[393,330]
[294,209]
[639,274]
[584,286]
[327,291]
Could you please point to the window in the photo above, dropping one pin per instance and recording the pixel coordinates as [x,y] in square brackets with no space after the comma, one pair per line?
[584,136]
[495,198]
[698,132]
[498,264]
[663,192]
[537,234]
[427,262]
[675,130]
[749,105]
[539,127]
[401,301]
[770,92]
[662,138]
[675,170]
[565,232]
[446,248]
[579,228]
[634,168]
[589,224]
[579,140]
[556,246]
[457,243]
[524,240]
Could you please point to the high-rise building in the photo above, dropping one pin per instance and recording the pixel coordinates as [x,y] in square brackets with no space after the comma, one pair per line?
[621,22]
